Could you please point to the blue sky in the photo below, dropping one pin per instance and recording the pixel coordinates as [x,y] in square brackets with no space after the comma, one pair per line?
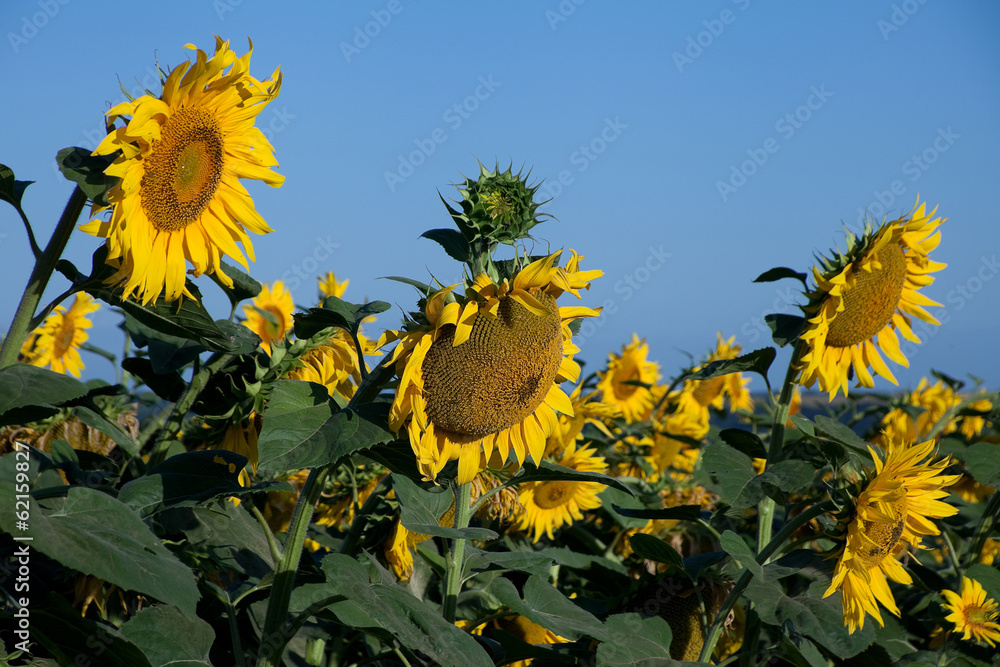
[688,146]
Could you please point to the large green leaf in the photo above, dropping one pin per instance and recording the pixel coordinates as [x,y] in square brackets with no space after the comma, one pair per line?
[244,287]
[477,560]
[987,576]
[22,386]
[303,429]
[422,509]
[740,486]
[453,242]
[745,441]
[635,641]
[188,479]
[758,361]
[169,638]
[545,605]
[653,548]
[87,171]
[75,640]
[784,328]
[677,513]
[414,623]
[336,313]
[827,427]
[11,191]
[95,534]
[735,546]
[778,273]
[983,461]
[100,422]
[234,536]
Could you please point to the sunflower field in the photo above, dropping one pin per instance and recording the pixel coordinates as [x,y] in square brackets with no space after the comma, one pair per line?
[331,484]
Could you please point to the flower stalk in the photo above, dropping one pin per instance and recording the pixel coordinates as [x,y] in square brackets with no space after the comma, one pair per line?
[456,555]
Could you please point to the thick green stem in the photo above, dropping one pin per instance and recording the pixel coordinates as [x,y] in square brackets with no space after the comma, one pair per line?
[714,632]
[775,447]
[456,555]
[39,279]
[272,639]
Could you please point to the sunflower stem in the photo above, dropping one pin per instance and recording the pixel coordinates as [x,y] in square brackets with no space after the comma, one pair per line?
[776,445]
[17,333]
[714,632]
[456,555]
[273,640]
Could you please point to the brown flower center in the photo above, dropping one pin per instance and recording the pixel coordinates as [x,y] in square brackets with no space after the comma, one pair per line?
[183,170]
[880,537]
[871,302]
[500,375]
[553,494]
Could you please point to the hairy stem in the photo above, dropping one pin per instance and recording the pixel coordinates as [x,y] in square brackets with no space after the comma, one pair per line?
[456,555]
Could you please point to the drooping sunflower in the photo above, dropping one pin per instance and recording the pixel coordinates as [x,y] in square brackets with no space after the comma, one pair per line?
[863,296]
[182,154]
[483,374]
[893,510]
[270,314]
[551,505]
[972,614]
[56,343]
[697,396]
[629,380]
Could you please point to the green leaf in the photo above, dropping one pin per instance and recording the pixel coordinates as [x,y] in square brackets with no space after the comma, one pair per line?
[336,313]
[757,361]
[233,535]
[550,472]
[87,171]
[677,513]
[424,288]
[169,386]
[167,637]
[11,191]
[478,560]
[635,641]
[95,534]
[740,486]
[827,427]
[987,576]
[74,640]
[545,605]
[414,623]
[785,329]
[22,385]
[744,441]
[737,547]
[421,511]
[453,242]
[111,429]
[983,461]
[613,498]
[778,273]
[303,429]
[188,479]
[244,287]
[653,548]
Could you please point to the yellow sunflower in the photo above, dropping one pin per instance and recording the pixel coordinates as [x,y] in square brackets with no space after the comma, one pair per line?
[335,364]
[56,343]
[867,293]
[586,410]
[697,396]
[330,286]
[972,613]
[241,438]
[894,510]
[551,505]
[484,373]
[270,314]
[180,199]
[622,383]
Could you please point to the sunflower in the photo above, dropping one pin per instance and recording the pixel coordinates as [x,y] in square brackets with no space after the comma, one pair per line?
[866,293]
[330,286]
[972,613]
[483,374]
[334,364]
[57,342]
[550,505]
[270,314]
[629,380]
[894,510]
[180,159]
[400,546]
[697,396]
[586,410]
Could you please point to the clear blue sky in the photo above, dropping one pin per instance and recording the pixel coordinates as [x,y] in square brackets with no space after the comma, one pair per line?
[642,109]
